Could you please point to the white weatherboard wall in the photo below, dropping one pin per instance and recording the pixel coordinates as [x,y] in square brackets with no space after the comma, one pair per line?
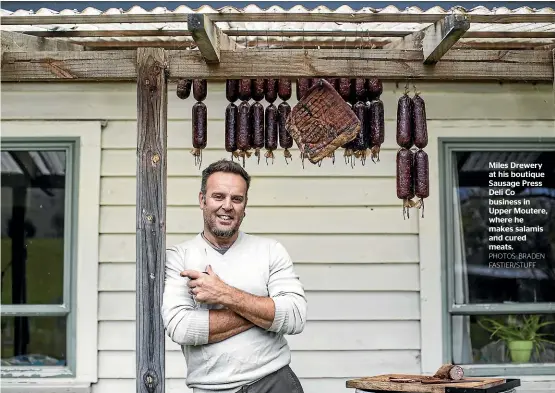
[373,306]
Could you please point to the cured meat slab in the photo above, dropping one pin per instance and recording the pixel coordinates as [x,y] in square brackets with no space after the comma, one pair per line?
[321,122]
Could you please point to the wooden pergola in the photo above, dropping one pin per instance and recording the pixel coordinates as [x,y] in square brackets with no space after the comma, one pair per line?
[442,50]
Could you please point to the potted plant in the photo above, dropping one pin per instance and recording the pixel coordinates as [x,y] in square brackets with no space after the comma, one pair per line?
[520,335]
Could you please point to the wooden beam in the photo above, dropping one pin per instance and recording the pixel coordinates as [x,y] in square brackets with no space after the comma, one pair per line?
[436,39]
[442,35]
[497,65]
[262,42]
[152,106]
[361,35]
[338,17]
[17,42]
[375,17]
[208,37]
[69,66]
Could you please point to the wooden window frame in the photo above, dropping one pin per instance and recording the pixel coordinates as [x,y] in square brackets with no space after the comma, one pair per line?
[446,148]
[81,140]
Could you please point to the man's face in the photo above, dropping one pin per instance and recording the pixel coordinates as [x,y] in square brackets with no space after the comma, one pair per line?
[224,204]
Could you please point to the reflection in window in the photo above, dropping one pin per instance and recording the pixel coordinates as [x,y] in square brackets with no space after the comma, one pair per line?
[33,229]
[503,256]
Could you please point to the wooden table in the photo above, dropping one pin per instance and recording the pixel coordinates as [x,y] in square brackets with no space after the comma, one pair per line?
[382,384]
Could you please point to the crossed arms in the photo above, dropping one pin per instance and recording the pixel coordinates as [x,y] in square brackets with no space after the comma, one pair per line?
[283,312]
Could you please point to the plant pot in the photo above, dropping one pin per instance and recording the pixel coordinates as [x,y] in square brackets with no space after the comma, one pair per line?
[520,351]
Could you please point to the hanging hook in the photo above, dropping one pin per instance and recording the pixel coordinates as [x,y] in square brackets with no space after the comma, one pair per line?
[416,92]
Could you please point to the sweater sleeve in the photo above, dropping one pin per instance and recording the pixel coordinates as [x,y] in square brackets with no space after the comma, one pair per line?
[287,291]
[184,324]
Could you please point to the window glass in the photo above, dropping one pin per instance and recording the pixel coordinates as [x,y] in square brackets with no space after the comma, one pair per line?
[475,340]
[34,341]
[503,249]
[506,227]
[33,228]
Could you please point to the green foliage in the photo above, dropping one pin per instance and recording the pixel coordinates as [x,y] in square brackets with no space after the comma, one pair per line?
[525,328]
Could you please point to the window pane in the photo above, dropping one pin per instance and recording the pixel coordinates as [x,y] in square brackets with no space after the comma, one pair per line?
[33,206]
[504,227]
[37,341]
[473,344]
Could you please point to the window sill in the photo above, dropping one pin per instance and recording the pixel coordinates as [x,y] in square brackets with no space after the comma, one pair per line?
[534,378]
[43,386]
[532,371]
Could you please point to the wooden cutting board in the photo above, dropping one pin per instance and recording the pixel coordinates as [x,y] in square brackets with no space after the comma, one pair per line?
[382,382]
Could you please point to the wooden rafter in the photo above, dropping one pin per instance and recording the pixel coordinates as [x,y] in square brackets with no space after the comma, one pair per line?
[362,35]
[346,17]
[209,30]
[522,65]
[208,37]
[436,39]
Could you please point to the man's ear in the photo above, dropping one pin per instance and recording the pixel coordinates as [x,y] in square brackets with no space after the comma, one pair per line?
[201,200]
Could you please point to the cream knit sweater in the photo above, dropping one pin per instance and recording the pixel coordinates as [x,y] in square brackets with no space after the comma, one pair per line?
[254,264]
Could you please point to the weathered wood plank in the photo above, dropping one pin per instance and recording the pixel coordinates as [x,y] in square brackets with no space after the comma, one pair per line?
[317,335]
[274,36]
[283,220]
[442,35]
[436,39]
[374,43]
[315,277]
[346,306]
[269,191]
[384,64]
[532,65]
[208,37]
[69,66]
[302,248]
[18,42]
[339,17]
[376,17]
[151,217]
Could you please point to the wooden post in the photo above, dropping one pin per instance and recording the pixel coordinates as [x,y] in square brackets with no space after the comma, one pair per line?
[152,104]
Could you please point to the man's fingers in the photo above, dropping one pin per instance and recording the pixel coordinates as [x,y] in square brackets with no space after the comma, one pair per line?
[193,291]
[192,274]
[194,284]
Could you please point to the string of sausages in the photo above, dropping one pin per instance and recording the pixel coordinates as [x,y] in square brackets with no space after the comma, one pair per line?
[199,115]
[412,161]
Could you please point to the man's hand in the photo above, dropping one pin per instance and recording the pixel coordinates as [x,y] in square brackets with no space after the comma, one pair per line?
[206,287]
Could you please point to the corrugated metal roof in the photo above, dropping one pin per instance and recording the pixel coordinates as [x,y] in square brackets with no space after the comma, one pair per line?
[358,34]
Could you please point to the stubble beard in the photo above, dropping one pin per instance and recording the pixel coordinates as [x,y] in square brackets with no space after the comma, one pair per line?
[210,223]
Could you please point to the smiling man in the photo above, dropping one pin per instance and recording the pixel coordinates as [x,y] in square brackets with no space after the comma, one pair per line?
[231,297]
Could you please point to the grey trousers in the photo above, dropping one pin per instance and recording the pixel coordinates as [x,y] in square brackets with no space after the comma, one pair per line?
[283,380]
